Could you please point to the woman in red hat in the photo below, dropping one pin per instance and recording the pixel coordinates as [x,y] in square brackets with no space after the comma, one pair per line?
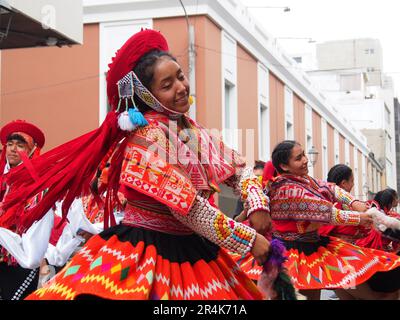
[19,265]
[169,244]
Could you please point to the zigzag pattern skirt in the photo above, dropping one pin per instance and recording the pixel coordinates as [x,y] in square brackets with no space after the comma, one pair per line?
[127,263]
[327,263]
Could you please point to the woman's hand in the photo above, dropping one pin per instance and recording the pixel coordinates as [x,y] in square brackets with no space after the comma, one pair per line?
[84,234]
[359,206]
[260,221]
[366,219]
[260,249]
[241,217]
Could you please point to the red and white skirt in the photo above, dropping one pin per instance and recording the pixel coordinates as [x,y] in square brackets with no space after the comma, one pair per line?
[326,262]
[126,262]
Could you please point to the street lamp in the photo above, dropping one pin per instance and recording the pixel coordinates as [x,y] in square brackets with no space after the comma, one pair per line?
[313,155]
[285,9]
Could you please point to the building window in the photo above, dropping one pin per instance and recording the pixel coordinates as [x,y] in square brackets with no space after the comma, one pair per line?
[289,113]
[350,82]
[264,133]
[387,116]
[364,176]
[309,136]
[369,51]
[389,174]
[324,129]
[230,116]
[336,146]
[347,152]
[229,78]
[388,144]
[357,192]
[264,124]
[298,59]
[289,131]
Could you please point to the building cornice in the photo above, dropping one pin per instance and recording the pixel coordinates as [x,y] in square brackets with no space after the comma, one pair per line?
[232,17]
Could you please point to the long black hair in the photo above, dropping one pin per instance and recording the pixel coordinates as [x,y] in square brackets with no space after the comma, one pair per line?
[144,70]
[282,152]
[338,173]
[386,197]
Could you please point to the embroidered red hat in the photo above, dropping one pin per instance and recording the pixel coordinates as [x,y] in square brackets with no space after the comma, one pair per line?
[25,127]
[128,56]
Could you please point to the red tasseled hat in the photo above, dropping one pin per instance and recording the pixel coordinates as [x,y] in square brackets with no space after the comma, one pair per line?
[25,127]
[269,173]
[128,56]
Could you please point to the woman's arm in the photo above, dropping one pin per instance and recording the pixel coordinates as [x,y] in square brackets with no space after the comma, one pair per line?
[346,198]
[245,184]
[350,218]
[255,202]
[212,224]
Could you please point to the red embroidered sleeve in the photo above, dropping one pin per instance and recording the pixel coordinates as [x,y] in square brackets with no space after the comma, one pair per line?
[342,196]
[212,224]
[343,217]
[248,186]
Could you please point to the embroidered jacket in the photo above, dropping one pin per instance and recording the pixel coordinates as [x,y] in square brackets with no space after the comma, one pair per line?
[169,173]
[302,204]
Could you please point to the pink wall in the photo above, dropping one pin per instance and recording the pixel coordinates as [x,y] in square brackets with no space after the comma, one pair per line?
[247,74]
[277,107]
[54,88]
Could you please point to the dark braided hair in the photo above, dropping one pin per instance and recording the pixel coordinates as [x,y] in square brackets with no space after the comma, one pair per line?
[338,173]
[385,198]
[144,70]
[282,152]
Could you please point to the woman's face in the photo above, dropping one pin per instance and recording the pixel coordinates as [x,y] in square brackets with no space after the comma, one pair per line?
[170,86]
[395,203]
[347,185]
[298,162]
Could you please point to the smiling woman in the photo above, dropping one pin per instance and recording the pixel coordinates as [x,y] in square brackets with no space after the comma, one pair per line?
[171,235]
[171,86]
[300,205]
[160,72]
[289,157]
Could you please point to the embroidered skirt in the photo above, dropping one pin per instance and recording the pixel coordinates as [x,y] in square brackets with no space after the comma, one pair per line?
[16,282]
[247,264]
[327,262]
[127,262]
